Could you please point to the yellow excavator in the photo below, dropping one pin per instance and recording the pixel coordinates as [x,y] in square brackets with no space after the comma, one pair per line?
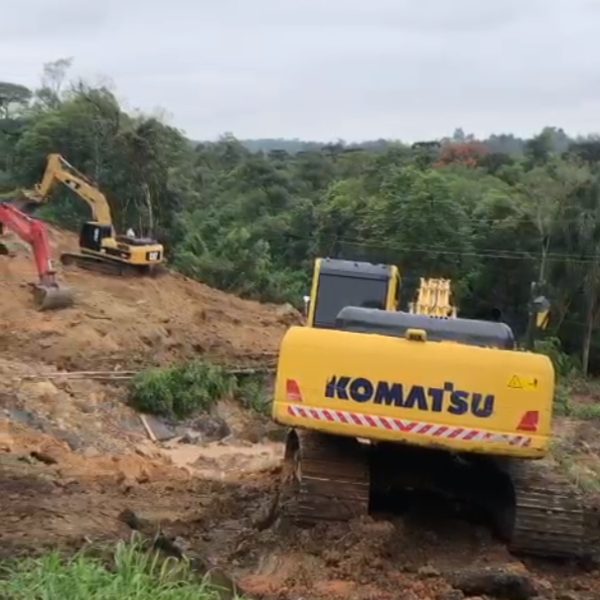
[388,404]
[101,248]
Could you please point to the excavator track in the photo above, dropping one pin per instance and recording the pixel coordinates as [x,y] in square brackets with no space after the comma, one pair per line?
[550,518]
[326,478]
[108,266]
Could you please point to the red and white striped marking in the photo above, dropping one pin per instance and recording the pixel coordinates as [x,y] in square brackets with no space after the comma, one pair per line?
[402,425]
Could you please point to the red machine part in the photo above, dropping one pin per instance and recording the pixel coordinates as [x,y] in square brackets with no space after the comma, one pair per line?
[48,293]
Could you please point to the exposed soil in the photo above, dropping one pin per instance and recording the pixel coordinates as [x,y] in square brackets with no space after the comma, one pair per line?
[214,510]
[74,457]
[126,323]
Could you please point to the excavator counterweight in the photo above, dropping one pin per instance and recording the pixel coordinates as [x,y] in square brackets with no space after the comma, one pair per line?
[48,293]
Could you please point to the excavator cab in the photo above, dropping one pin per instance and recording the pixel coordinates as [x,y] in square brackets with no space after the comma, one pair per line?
[339,283]
[92,234]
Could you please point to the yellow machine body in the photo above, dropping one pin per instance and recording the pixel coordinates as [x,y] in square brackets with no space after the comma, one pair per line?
[437,394]
[119,248]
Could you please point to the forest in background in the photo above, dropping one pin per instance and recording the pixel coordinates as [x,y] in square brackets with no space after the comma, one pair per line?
[250,216]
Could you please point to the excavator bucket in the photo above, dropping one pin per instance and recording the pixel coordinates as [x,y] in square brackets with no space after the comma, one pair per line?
[49,297]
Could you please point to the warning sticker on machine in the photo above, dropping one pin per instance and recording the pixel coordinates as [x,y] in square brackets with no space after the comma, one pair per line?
[520,382]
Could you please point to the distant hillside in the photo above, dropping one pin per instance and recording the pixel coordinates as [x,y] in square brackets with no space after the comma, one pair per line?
[506,144]
[502,143]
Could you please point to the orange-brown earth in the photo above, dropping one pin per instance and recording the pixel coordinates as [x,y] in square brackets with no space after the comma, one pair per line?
[74,456]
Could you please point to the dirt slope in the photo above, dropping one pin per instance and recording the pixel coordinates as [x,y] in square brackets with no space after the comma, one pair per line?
[127,323]
[74,456]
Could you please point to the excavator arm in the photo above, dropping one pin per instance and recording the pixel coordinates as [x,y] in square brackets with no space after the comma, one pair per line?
[58,170]
[49,294]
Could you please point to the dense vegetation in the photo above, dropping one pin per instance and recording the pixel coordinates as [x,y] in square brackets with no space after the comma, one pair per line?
[495,215]
[180,391]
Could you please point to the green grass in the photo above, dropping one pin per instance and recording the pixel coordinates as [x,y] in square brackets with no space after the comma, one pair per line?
[131,574]
[583,473]
[566,406]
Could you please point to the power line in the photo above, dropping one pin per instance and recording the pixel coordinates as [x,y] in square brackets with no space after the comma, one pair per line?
[498,253]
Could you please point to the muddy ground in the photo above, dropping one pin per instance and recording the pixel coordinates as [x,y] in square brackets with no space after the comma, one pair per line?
[76,461]
[213,501]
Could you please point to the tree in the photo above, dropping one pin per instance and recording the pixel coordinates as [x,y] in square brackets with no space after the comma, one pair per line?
[582,223]
[468,154]
[423,223]
[12,94]
[545,191]
[53,79]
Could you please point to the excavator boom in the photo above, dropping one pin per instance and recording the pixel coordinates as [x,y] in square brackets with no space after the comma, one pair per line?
[48,293]
[59,170]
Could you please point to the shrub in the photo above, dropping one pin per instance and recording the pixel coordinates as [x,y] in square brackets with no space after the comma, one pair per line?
[562,399]
[564,365]
[252,392]
[180,391]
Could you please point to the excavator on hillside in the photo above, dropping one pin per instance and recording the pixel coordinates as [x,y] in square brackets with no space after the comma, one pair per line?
[101,248]
[388,404]
[48,293]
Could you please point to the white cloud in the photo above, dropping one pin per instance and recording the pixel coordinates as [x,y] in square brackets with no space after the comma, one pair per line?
[324,69]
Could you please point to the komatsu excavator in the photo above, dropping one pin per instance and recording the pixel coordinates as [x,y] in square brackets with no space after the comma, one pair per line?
[388,404]
[101,249]
[48,293]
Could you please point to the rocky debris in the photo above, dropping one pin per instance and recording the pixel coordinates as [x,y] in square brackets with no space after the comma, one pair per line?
[44,457]
[287,314]
[161,430]
[428,571]
[568,596]
[503,583]
[451,595]
[211,427]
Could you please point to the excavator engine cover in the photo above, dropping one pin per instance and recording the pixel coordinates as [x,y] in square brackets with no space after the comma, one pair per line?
[397,324]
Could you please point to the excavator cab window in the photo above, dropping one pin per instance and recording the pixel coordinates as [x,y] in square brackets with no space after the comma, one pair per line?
[92,235]
[338,291]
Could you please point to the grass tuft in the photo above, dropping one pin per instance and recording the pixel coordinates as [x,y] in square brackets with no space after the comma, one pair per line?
[131,574]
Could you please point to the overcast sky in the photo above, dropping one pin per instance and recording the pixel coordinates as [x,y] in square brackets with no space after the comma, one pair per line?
[325,69]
